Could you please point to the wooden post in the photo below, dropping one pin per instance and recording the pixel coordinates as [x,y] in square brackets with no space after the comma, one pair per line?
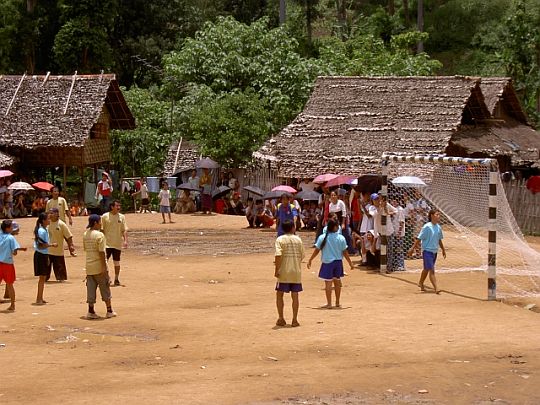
[384,218]
[64,184]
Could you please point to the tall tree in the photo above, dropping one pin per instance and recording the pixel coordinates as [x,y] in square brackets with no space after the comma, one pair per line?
[420,24]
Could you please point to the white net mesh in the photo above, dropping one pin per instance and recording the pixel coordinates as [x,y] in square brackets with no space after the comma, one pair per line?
[461,193]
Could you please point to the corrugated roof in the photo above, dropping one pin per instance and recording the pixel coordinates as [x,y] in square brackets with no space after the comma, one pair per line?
[32,109]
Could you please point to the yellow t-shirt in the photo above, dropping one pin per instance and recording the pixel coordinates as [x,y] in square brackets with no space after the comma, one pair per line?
[93,244]
[291,250]
[61,204]
[113,227]
[58,231]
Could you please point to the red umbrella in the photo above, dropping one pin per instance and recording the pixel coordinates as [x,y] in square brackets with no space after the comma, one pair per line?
[339,180]
[323,178]
[286,189]
[43,185]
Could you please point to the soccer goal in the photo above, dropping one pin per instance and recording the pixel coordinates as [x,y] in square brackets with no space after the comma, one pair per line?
[480,231]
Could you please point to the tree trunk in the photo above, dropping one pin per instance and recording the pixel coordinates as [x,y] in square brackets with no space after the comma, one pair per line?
[391,7]
[282,12]
[30,6]
[341,9]
[406,13]
[309,20]
[420,46]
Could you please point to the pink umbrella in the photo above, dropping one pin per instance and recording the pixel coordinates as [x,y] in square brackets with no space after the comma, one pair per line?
[339,180]
[286,189]
[6,173]
[323,178]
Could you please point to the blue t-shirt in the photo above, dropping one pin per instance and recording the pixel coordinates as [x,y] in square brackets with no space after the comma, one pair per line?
[334,247]
[284,213]
[430,235]
[44,238]
[8,244]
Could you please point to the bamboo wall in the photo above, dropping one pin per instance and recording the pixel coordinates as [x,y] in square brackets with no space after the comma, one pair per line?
[525,206]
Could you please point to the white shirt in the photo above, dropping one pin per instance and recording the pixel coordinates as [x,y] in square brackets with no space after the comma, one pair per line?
[367,220]
[307,186]
[398,219]
[164,198]
[194,181]
[338,206]
[377,215]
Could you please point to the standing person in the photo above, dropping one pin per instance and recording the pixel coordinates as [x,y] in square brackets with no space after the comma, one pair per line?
[42,269]
[97,274]
[430,237]
[288,271]
[205,183]
[58,232]
[59,203]
[285,211]
[113,226]
[333,247]
[194,181]
[143,192]
[396,239]
[164,197]
[104,189]
[8,248]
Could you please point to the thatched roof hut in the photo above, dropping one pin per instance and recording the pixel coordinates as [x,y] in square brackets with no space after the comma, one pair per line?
[181,157]
[48,121]
[349,122]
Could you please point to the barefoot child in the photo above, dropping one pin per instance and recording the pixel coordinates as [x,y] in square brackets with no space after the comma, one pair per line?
[8,249]
[165,201]
[42,269]
[288,270]
[333,247]
[430,236]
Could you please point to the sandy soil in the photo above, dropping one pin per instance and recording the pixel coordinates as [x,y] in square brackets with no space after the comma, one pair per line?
[196,326]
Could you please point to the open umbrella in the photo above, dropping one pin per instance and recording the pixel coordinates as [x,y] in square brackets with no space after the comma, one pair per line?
[339,180]
[188,187]
[206,163]
[285,189]
[308,195]
[6,173]
[323,178]
[43,185]
[220,191]
[254,190]
[20,185]
[275,194]
[370,183]
[408,181]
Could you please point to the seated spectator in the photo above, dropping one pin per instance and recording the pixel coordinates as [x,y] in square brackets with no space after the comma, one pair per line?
[38,206]
[250,212]
[20,210]
[236,207]
[221,205]
[263,214]
[184,203]
[372,248]
[309,215]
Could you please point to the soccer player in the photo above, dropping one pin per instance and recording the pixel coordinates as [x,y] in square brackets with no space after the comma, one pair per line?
[8,249]
[113,226]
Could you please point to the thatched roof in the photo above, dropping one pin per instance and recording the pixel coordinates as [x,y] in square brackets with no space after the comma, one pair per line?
[349,122]
[46,111]
[181,157]
[6,160]
[500,95]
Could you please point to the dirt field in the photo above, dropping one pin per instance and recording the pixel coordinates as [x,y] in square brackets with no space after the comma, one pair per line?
[196,326]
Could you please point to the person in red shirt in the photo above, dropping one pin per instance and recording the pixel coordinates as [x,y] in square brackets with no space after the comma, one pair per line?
[104,189]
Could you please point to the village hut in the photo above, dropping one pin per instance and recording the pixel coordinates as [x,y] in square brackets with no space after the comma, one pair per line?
[61,121]
[349,122]
[181,158]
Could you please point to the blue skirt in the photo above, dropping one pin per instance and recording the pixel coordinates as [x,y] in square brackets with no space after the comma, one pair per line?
[331,271]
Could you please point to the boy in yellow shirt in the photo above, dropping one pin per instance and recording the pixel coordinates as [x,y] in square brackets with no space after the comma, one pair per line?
[288,270]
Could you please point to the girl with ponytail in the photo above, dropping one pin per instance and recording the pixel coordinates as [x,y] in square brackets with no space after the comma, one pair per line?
[333,248]
[41,254]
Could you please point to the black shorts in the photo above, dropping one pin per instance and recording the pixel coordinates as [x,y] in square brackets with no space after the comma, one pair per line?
[41,265]
[58,264]
[115,253]
[145,201]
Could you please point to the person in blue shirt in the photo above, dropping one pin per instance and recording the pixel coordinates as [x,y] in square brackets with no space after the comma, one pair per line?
[285,211]
[430,236]
[42,269]
[8,249]
[333,248]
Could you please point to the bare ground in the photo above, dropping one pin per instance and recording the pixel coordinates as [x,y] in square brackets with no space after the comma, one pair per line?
[196,326]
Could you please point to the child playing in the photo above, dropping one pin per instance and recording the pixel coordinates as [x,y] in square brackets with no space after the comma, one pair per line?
[8,249]
[288,270]
[42,269]
[165,201]
[97,273]
[430,237]
[333,247]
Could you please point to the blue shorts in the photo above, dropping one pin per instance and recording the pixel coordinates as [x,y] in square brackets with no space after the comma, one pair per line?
[429,260]
[331,271]
[164,209]
[289,287]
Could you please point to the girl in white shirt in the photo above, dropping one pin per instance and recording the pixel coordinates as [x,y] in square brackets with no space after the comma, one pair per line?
[338,207]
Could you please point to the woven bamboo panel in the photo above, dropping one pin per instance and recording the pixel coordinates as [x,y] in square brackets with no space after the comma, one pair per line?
[97,151]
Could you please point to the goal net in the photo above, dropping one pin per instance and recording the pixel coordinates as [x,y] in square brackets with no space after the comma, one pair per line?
[480,231]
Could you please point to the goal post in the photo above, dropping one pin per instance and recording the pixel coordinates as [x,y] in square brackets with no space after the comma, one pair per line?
[464,190]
